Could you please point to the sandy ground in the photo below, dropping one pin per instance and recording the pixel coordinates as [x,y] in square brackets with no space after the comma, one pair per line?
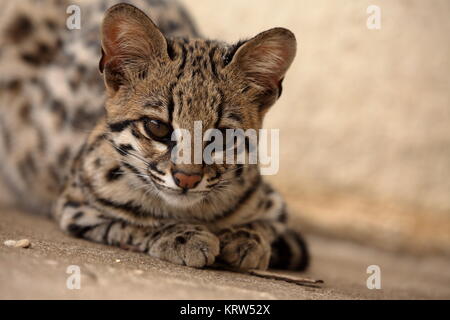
[112,273]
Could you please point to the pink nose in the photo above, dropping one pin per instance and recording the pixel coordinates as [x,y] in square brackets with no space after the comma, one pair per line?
[186,181]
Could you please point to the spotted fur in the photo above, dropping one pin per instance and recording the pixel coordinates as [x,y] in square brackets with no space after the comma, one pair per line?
[71,148]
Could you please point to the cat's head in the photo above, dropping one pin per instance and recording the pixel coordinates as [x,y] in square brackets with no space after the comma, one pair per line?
[156,85]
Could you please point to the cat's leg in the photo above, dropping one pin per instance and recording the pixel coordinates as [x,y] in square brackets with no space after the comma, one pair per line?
[244,248]
[262,244]
[184,244]
[289,251]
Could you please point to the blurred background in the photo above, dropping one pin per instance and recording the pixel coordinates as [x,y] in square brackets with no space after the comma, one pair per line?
[364,117]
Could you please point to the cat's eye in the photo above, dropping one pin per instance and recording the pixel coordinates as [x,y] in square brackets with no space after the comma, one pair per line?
[157,129]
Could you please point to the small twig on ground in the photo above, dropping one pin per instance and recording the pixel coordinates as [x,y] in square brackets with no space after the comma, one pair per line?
[273,276]
[290,279]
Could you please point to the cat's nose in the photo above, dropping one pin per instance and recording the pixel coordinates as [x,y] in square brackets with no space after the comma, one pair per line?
[186,181]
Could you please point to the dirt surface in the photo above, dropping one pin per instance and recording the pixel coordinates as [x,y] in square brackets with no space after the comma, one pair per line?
[112,273]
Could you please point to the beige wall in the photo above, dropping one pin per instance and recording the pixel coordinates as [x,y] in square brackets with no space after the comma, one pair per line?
[365,115]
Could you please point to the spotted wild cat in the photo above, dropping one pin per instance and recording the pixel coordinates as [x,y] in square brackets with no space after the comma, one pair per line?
[99,159]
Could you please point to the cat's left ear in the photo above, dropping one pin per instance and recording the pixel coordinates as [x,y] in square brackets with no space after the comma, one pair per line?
[266,58]
[130,41]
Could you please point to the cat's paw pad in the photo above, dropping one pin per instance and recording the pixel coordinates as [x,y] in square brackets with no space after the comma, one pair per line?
[244,250]
[190,246]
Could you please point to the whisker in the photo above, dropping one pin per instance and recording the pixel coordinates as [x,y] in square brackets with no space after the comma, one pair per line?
[129,153]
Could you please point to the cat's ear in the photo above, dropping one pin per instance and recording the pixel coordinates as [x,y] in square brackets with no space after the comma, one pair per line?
[266,58]
[130,42]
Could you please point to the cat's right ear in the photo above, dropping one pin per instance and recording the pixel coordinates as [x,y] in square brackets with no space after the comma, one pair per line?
[130,43]
[265,59]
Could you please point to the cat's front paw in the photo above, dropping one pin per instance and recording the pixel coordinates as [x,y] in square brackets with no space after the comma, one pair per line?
[192,246]
[244,249]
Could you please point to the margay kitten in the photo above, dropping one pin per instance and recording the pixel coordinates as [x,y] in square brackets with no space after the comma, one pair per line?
[101,161]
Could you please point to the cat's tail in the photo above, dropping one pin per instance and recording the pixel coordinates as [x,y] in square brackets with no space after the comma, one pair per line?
[290,252]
